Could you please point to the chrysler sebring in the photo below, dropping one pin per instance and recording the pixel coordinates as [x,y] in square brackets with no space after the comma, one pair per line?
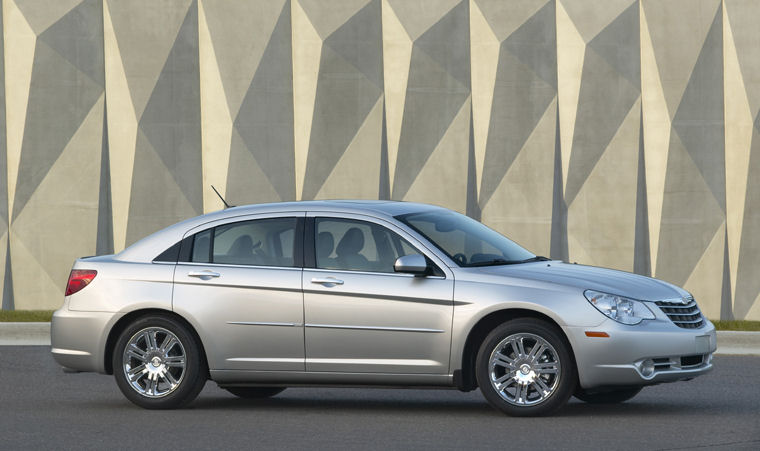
[372,293]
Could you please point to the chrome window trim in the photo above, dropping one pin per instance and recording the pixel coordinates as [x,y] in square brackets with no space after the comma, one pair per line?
[227,265]
[243,218]
[370,273]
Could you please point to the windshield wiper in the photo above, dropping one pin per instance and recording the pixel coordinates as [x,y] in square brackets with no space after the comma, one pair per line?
[501,261]
[537,258]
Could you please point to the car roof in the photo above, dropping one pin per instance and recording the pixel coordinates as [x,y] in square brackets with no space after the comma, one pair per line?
[383,207]
[149,247]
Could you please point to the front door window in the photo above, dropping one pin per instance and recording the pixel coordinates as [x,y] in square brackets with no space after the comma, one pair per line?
[351,245]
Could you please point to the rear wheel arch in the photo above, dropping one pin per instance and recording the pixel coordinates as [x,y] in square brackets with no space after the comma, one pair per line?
[465,380]
[129,318]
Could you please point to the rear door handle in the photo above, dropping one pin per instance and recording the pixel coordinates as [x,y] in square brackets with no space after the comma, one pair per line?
[326,280]
[205,274]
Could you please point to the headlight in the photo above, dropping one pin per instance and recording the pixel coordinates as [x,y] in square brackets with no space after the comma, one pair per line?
[622,310]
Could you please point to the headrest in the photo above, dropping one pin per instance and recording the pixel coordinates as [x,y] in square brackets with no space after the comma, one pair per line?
[351,243]
[242,246]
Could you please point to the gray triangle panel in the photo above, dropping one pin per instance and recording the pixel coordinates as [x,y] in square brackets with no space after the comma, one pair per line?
[155,200]
[344,99]
[747,280]
[433,98]
[359,41]
[384,189]
[265,118]
[689,220]
[520,99]
[699,118]
[60,97]
[447,42]
[7,293]
[558,242]
[642,260]
[472,208]
[245,184]
[77,37]
[535,44]
[104,241]
[597,122]
[618,44]
[171,120]
[726,305]
[3,140]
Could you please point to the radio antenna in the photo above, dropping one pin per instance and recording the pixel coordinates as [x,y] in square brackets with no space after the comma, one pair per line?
[226,205]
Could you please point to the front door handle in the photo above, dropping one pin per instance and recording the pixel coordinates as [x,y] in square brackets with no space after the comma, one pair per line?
[328,281]
[204,275]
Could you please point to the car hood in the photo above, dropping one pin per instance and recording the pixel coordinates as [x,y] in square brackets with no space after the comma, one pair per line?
[586,278]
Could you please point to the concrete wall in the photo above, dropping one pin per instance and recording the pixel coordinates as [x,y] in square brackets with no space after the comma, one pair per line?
[619,133]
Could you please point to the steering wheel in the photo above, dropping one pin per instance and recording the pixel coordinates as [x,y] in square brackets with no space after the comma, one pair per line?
[460,258]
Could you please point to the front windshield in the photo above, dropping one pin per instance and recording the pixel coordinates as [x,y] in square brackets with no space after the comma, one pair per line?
[465,240]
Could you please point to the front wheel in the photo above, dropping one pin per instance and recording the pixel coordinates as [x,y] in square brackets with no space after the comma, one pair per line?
[609,396]
[524,368]
[159,364]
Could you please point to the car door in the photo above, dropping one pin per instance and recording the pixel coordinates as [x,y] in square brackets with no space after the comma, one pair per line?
[361,316]
[240,283]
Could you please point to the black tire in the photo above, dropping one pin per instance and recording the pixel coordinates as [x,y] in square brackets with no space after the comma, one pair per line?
[564,380]
[254,392]
[608,396]
[193,375]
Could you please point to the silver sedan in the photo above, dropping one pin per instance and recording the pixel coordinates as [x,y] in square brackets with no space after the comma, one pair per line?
[371,293]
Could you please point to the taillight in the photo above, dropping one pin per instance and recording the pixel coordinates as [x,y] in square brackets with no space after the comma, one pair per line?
[78,279]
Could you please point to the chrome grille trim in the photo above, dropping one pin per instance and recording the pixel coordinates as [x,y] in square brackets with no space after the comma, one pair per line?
[687,316]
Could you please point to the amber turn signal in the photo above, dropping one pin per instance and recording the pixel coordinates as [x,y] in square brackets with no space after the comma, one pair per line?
[591,333]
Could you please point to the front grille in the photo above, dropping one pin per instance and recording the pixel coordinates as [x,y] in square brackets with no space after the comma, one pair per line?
[686,315]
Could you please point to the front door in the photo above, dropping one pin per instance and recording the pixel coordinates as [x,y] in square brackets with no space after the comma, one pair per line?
[361,316]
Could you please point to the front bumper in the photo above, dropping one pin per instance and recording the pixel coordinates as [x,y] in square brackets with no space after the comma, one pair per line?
[78,339]
[649,353]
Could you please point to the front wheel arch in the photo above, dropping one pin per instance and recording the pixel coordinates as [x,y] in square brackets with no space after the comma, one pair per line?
[129,318]
[466,380]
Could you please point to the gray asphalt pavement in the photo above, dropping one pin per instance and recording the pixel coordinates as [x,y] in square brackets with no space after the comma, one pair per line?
[43,408]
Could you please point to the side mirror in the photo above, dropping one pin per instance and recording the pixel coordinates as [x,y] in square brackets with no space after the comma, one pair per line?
[412,264]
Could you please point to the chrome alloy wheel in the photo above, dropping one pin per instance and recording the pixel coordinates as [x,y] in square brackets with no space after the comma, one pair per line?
[154,362]
[524,369]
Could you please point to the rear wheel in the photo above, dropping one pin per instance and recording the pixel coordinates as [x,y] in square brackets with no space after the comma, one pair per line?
[607,396]
[524,368]
[255,392]
[158,363]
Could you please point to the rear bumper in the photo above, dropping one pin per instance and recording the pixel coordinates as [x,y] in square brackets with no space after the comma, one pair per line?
[622,358]
[78,339]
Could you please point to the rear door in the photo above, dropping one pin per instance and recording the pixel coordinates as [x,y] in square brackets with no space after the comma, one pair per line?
[239,282]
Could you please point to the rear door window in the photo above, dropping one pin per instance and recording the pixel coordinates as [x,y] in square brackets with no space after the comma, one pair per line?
[261,242]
